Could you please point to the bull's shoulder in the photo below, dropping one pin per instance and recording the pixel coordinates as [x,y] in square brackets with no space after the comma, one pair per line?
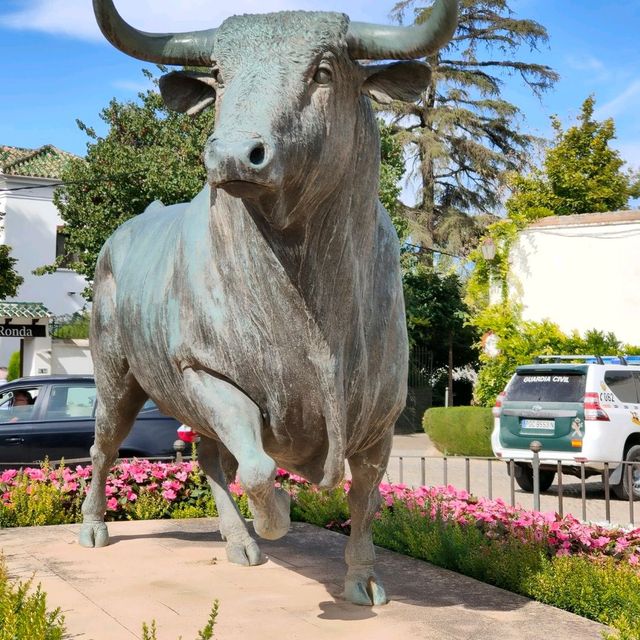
[156,229]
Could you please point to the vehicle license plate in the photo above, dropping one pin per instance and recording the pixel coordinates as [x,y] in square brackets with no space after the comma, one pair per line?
[544,425]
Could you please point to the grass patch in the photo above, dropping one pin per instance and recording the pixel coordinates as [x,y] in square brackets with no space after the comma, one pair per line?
[460,431]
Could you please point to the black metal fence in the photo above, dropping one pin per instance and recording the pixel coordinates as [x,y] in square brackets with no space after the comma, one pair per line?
[582,497]
[419,393]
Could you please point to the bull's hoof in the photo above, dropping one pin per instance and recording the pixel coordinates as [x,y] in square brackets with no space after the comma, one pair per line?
[274,525]
[94,534]
[364,588]
[245,553]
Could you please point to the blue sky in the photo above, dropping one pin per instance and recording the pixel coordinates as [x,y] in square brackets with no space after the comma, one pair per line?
[56,66]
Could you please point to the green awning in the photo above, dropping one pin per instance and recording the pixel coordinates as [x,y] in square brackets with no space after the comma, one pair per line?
[29,310]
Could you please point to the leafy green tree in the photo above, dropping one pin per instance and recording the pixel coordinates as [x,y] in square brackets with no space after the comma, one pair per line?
[436,316]
[462,138]
[581,173]
[391,172]
[10,280]
[520,341]
[148,153]
[72,327]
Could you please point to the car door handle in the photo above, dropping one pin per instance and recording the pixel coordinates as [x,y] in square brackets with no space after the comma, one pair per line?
[14,440]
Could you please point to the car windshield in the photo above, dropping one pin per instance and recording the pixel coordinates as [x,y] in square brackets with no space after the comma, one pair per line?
[547,386]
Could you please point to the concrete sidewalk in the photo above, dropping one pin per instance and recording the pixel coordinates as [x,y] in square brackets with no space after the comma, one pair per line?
[417,444]
[172,570]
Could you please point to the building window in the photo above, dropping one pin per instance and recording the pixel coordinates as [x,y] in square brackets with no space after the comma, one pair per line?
[65,259]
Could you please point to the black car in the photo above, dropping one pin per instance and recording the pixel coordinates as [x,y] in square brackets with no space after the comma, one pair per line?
[54,417]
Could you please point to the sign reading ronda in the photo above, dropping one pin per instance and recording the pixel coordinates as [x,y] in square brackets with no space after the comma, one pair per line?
[23,320]
[267,313]
[23,331]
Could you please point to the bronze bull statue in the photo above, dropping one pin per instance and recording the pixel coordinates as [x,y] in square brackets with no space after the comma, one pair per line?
[268,312]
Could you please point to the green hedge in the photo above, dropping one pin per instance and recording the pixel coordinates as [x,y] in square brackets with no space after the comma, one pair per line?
[461,431]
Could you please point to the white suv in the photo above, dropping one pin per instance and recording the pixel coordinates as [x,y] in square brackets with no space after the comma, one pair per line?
[582,409]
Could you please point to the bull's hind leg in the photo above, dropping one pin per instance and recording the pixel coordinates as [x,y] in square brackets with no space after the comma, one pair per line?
[362,586]
[241,547]
[120,398]
[237,421]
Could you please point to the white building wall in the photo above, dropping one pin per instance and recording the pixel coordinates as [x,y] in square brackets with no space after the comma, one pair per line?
[581,276]
[71,356]
[30,225]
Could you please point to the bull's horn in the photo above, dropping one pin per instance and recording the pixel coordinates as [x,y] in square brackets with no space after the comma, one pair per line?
[378,42]
[188,48]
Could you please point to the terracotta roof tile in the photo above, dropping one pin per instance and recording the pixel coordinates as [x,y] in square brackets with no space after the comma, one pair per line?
[611,217]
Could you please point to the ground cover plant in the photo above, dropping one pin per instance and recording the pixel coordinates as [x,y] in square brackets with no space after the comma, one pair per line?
[591,570]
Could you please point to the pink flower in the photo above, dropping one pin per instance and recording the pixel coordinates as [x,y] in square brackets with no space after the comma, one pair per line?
[236,489]
[169,494]
[112,504]
[8,475]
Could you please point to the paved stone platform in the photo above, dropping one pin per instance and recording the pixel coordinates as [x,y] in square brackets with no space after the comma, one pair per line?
[172,570]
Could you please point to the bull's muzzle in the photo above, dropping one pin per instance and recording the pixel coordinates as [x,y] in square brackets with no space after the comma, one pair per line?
[241,166]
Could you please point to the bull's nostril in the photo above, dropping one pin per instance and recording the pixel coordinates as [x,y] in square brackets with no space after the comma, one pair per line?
[256,157]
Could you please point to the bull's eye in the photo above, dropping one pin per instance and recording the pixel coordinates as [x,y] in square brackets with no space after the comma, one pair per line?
[323,75]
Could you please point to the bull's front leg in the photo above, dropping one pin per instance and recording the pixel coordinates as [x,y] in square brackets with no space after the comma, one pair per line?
[362,585]
[237,422]
[241,547]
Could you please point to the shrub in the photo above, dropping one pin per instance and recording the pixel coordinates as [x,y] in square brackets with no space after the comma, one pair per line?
[322,508]
[23,611]
[605,591]
[464,431]
[13,368]
[75,326]
[520,341]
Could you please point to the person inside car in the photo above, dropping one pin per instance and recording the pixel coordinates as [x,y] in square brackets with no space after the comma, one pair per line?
[21,405]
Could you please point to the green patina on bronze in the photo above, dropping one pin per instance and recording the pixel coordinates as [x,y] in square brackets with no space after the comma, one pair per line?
[268,312]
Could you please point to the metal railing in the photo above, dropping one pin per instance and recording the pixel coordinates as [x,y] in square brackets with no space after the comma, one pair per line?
[591,501]
[179,448]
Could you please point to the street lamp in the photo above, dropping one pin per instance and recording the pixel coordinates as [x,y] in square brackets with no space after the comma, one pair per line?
[488,249]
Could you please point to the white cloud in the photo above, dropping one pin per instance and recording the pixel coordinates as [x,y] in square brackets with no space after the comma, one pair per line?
[585,63]
[75,17]
[628,100]
[630,152]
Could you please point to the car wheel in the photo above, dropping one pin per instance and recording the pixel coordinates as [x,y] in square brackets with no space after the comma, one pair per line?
[524,478]
[623,489]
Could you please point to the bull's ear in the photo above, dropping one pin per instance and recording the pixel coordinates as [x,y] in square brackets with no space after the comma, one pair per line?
[187,91]
[396,81]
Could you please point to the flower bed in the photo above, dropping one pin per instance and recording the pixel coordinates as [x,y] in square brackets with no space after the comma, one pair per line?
[563,536]
[178,489]
[591,570]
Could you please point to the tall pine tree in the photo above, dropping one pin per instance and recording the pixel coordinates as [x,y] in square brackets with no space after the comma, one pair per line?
[462,137]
